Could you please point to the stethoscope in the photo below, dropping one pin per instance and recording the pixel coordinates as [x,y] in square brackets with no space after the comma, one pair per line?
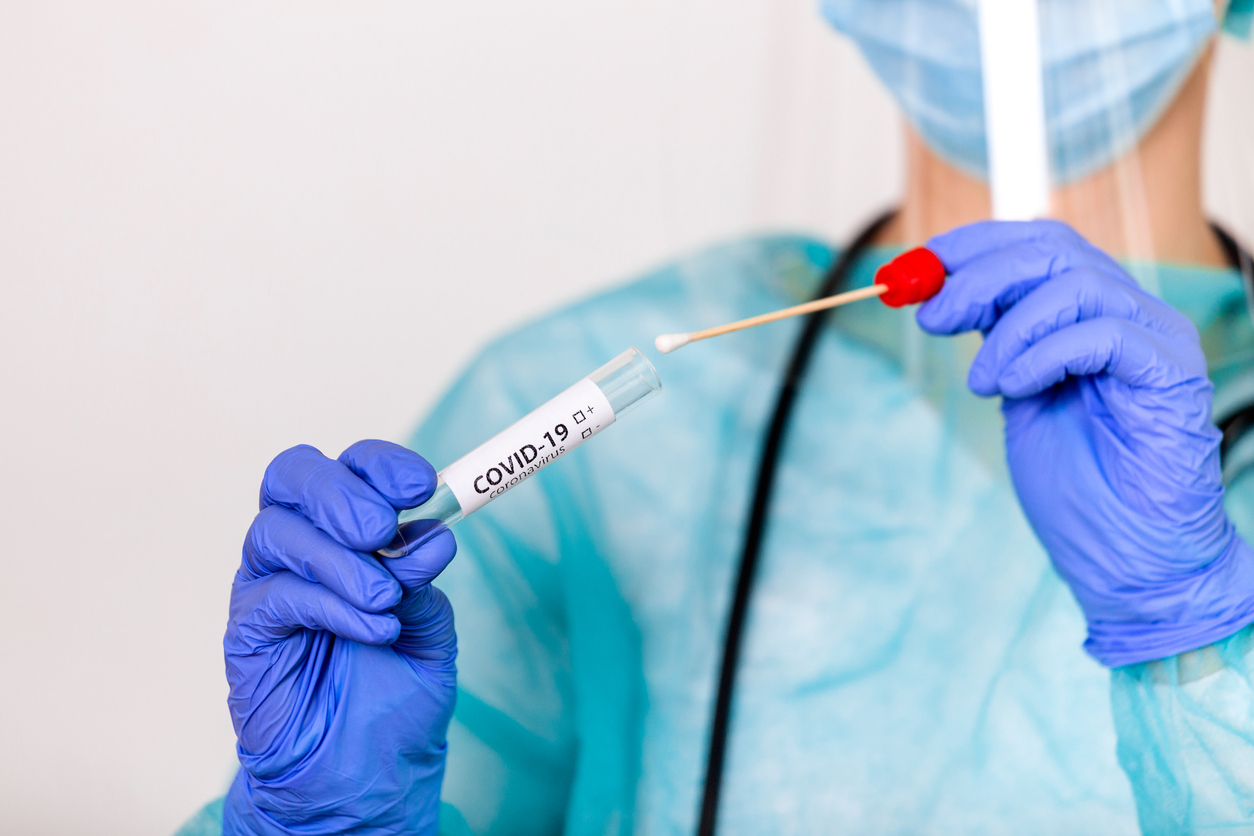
[1233,427]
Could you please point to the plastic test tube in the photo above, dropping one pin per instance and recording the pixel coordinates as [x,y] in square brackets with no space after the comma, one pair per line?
[535,441]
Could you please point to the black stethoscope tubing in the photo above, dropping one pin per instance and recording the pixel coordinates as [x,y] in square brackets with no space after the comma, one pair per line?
[758,511]
[835,279]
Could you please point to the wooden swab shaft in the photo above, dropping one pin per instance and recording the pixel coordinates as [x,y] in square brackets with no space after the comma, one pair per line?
[797,310]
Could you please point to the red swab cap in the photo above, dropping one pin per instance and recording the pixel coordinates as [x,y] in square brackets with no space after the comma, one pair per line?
[914,276]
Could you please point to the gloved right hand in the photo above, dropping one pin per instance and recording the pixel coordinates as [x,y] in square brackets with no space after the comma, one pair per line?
[341,665]
[1109,436]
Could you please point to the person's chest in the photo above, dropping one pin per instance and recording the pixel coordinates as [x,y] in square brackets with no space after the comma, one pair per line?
[911,663]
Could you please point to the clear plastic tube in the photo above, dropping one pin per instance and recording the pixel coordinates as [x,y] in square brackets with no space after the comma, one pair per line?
[529,445]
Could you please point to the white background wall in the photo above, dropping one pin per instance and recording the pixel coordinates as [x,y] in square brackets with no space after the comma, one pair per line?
[226,228]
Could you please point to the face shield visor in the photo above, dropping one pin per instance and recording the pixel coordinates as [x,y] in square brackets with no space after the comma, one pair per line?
[1084,110]
[1045,102]
[1123,92]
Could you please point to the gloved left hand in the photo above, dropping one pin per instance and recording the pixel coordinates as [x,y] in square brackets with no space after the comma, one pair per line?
[1109,436]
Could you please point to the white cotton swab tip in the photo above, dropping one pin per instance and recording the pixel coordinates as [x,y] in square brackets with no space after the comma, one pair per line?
[666,343]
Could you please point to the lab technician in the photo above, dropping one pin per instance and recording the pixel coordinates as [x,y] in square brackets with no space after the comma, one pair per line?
[963,619]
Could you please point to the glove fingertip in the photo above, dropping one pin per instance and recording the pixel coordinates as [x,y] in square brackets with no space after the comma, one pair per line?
[443,544]
[400,475]
[945,245]
[983,382]
[384,593]
[285,470]
[375,527]
[422,565]
[379,630]
[393,631]
[934,317]
[1016,384]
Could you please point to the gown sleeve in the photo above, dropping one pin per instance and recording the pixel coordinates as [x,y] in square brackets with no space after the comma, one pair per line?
[1186,724]
[511,742]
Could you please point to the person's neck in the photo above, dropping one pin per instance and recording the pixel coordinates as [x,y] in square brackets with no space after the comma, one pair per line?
[1147,205]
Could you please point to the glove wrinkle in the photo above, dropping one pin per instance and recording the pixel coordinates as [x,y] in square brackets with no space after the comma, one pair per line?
[1109,437]
[341,666]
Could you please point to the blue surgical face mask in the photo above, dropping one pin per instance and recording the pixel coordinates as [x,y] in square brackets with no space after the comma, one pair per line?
[1110,68]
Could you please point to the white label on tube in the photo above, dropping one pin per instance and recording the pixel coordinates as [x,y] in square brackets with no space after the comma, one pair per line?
[508,458]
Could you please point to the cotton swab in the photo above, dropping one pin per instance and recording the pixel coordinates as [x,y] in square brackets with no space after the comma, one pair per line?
[913,276]
[666,343]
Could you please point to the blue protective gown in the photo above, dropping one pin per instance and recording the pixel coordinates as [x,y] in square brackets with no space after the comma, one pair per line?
[912,662]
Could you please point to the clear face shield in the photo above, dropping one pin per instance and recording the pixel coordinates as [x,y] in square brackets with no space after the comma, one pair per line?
[1093,112]
[1089,111]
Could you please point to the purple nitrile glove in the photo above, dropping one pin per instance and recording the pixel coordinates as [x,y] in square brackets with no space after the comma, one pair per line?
[341,665]
[1109,436]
